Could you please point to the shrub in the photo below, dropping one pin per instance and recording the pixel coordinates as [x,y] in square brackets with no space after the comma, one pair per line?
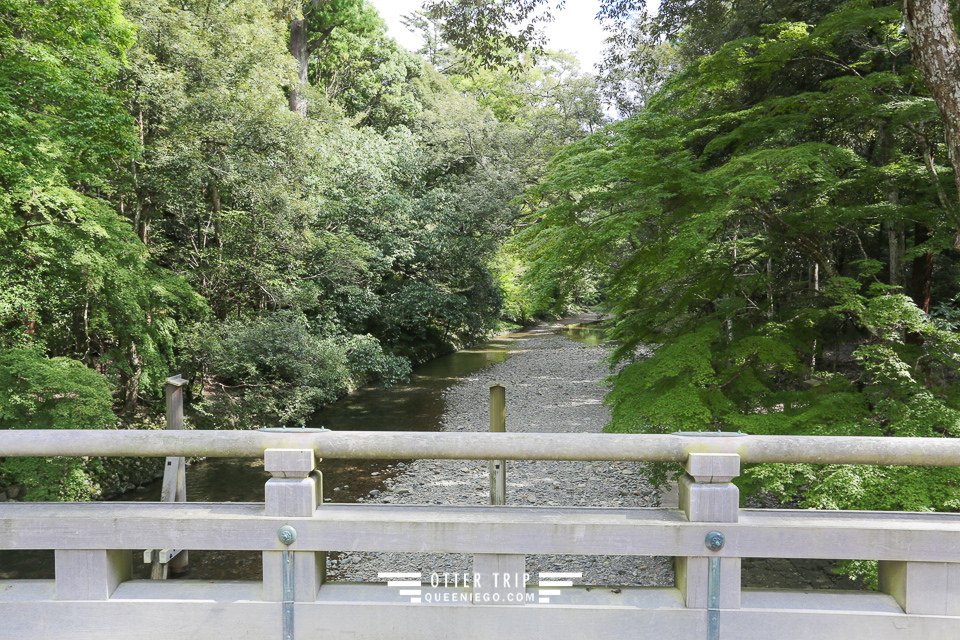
[51,393]
[277,370]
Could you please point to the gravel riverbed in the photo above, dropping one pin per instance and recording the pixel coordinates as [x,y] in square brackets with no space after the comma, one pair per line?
[554,385]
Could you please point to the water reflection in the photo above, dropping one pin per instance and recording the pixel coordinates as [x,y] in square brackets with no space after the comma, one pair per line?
[591,334]
[415,406]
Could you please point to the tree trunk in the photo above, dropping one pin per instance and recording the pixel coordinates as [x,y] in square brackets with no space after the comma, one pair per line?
[215,204]
[131,380]
[770,303]
[884,152]
[144,221]
[921,278]
[897,244]
[299,51]
[936,52]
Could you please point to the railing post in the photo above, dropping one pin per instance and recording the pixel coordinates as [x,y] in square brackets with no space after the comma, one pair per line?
[296,489]
[498,578]
[927,588]
[88,574]
[708,495]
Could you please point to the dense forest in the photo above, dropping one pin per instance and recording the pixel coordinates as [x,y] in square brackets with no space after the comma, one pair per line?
[283,204]
[278,202]
[778,221]
[774,227]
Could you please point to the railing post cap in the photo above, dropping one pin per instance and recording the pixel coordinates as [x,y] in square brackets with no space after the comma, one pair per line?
[713,468]
[289,463]
[176,380]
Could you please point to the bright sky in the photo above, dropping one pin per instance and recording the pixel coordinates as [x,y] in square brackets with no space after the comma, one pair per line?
[573,29]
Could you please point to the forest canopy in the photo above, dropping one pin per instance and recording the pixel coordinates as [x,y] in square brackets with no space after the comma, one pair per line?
[280,203]
[778,222]
[283,204]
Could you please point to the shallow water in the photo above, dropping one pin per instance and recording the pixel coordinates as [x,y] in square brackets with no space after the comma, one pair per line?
[417,405]
[588,334]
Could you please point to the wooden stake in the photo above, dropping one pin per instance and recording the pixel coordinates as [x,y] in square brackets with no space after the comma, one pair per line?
[174,488]
[498,424]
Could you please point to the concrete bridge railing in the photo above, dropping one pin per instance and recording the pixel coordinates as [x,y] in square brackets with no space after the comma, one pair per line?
[93,595]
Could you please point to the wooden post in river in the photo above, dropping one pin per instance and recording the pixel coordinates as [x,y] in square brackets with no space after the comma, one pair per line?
[498,423]
[174,488]
[499,578]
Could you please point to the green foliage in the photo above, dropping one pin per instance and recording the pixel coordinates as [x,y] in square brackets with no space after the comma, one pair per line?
[91,291]
[746,223]
[51,393]
[162,209]
[280,372]
[492,33]
[361,69]
[78,283]
[77,280]
[59,123]
[377,216]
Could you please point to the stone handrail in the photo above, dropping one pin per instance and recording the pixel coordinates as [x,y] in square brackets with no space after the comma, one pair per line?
[93,595]
[943,452]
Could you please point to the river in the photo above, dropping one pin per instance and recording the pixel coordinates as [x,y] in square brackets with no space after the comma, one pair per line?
[416,405]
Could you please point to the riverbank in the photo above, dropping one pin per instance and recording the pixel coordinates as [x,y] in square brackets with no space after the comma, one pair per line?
[555,385]
[553,374]
[139,478]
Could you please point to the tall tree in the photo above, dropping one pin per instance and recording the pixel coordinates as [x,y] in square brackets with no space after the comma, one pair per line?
[484,28]
[932,27]
[737,225]
[77,281]
[299,49]
[311,23]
